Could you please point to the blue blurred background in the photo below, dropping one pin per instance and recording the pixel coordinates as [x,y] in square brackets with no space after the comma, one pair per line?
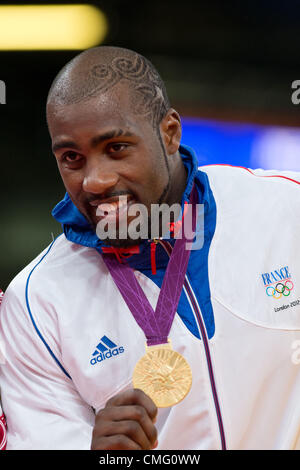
[248,145]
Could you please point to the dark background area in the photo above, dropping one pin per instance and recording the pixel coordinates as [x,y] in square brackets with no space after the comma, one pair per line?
[226,60]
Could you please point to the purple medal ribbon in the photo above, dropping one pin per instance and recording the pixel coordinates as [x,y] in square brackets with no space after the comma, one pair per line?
[157,324]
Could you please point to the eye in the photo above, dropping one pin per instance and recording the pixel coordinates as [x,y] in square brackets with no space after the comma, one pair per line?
[116,147]
[71,157]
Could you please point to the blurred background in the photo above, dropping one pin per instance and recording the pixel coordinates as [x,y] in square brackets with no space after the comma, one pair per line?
[229,68]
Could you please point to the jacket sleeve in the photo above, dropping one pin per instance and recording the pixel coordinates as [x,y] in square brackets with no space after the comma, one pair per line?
[2,418]
[2,431]
[43,409]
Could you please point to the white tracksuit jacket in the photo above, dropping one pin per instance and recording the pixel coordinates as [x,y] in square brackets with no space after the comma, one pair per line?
[246,375]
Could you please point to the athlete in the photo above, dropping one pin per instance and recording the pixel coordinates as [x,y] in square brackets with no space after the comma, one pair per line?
[75,322]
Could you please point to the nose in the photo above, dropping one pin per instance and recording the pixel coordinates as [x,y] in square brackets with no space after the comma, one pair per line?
[99,180]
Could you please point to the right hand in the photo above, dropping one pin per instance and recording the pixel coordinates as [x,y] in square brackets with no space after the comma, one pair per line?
[126,423]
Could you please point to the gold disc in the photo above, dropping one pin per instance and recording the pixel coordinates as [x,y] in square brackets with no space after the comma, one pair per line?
[164,375]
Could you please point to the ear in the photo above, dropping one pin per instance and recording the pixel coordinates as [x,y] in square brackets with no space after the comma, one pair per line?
[170,129]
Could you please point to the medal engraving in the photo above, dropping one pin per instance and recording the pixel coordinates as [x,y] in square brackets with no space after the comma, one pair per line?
[164,375]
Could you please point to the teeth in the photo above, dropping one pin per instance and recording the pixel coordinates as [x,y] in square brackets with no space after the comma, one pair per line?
[103,209]
[111,207]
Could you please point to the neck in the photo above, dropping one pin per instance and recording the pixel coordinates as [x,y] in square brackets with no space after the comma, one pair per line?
[178,181]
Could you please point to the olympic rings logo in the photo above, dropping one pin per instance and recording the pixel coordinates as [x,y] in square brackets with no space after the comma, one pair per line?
[280,289]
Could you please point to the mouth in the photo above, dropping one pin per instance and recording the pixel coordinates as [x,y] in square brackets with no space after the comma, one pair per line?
[113,209]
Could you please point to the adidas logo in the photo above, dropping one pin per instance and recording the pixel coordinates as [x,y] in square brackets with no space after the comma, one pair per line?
[105,350]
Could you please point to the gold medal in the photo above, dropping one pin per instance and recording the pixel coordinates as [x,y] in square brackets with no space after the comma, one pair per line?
[163,374]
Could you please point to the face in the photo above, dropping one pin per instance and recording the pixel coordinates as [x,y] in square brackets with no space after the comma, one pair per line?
[104,151]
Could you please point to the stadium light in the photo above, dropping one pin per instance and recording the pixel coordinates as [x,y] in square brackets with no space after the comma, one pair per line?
[50,27]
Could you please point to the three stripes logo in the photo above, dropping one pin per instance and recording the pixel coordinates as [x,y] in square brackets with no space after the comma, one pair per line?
[105,350]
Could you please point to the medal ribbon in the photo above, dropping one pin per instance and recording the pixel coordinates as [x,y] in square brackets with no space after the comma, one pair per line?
[157,324]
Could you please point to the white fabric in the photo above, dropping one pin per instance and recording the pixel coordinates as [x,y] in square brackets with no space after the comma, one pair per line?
[74,303]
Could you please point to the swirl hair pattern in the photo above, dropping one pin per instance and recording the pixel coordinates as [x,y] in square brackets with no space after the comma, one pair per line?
[148,95]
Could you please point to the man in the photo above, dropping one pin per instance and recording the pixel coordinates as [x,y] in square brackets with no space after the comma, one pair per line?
[73,336]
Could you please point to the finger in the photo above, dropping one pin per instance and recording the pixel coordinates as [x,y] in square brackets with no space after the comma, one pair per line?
[155,445]
[133,413]
[116,442]
[134,397]
[131,429]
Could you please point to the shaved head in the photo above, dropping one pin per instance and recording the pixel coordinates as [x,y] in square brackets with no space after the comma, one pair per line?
[98,70]
[114,134]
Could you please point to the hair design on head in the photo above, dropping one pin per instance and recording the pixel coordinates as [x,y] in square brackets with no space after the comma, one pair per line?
[107,67]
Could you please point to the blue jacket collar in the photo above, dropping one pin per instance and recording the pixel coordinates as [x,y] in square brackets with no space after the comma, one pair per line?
[78,230]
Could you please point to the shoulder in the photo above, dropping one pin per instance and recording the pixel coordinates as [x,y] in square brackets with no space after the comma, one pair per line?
[31,301]
[50,265]
[268,199]
[53,281]
[45,281]
[243,174]
[228,182]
